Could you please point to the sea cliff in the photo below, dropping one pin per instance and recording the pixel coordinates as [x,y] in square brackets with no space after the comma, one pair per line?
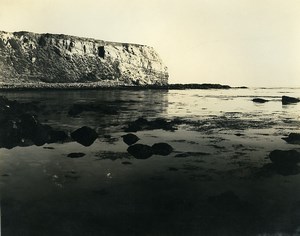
[38,60]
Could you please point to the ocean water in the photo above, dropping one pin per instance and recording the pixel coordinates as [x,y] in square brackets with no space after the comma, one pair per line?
[217,181]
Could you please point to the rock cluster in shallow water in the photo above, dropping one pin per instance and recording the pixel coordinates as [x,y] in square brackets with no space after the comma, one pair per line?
[20,127]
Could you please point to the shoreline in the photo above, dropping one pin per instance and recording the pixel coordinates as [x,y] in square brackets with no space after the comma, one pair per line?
[106,86]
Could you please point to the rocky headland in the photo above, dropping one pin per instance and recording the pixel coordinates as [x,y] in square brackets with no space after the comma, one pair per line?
[30,60]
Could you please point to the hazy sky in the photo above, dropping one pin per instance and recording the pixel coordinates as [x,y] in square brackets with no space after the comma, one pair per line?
[235,42]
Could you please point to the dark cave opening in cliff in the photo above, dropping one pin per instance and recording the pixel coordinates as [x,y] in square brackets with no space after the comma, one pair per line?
[101,51]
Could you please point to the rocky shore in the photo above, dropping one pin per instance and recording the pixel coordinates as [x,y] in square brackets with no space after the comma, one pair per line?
[105,85]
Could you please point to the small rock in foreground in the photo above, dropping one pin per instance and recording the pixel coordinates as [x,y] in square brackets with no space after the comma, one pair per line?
[76,154]
[293,138]
[162,149]
[127,163]
[86,136]
[282,158]
[130,139]
[140,151]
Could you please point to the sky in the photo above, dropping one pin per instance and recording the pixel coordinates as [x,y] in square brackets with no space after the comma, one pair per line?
[234,42]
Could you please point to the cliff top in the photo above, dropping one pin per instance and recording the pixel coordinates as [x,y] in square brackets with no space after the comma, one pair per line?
[65,36]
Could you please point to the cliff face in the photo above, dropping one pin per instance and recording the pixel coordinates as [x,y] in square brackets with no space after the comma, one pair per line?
[29,58]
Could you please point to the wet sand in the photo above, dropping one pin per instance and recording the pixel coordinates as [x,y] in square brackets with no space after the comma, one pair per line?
[217,180]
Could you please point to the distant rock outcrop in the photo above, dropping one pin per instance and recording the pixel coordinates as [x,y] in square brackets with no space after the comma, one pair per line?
[259,100]
[29,58]
[289,100]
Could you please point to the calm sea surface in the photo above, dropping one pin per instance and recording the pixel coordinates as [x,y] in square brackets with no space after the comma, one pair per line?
[216,182]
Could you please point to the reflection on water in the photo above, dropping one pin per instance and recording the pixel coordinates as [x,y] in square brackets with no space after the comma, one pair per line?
[215,182]
[128,104]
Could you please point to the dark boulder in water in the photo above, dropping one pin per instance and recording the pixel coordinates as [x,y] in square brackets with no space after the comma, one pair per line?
[84,135]
[293,138]
[270,169]
[282,158]
[76,154]
[284,162]
[259,100]
[130,139]
[57,136]
[143,124]
[162,149]
[127,163]
[287,100]
[27,124]
[46,134]
[9,135]
[140,151]
[137,125]
[41,135]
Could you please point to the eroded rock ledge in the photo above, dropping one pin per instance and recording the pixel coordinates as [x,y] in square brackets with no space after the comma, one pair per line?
[35,60]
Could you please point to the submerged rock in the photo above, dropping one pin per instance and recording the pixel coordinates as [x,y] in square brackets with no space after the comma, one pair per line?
[162,149]
[143,124]
[293,138]
[41,135]
[140,151]
[86,136]
[57,136]
[9,135]
[287,100]
[191,154]
[285,158]
[130,139]
[27,124]
[127,163]
[283,163]
[76,154]
[259,100]
[271,169]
